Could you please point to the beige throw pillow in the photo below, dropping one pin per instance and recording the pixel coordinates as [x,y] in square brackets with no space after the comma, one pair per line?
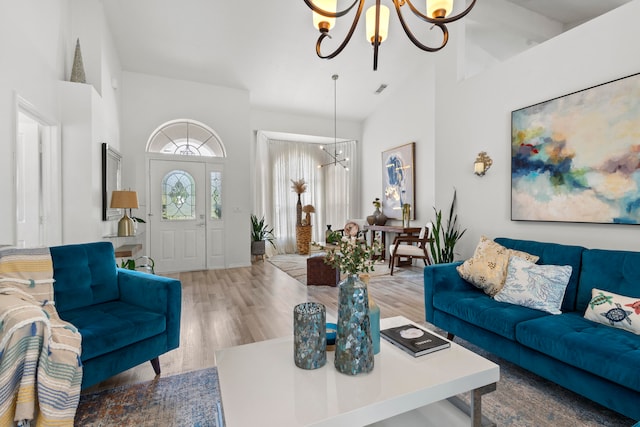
[487,269]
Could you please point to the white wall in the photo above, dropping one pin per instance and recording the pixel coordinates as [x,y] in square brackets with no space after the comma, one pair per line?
[33,42]
[406,117]
[37,41]
[475,115]
[89,115]
[149,101]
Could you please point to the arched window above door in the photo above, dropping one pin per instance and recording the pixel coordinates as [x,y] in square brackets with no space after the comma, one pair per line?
[187,138]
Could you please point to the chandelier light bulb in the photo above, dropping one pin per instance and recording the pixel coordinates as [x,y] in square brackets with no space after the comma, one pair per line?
[383,29]
[439,8]
[324,23]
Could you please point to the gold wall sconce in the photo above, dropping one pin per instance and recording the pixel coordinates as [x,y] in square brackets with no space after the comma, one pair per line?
[482,164]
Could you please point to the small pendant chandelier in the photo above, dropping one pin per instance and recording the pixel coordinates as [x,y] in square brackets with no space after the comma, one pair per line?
[336,158]
[377,17]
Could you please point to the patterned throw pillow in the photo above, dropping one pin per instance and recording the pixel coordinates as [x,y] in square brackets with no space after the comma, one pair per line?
[487,268]
[540,287]
[614,310]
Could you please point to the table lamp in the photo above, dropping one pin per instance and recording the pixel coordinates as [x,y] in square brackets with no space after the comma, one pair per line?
[126,200]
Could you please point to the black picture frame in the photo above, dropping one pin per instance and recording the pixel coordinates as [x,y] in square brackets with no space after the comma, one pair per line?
[111,180]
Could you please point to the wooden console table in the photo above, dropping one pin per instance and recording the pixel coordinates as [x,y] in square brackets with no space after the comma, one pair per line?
[384,229]
[128,251]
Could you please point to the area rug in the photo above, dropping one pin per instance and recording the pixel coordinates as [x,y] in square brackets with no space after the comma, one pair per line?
[296,266]
[523,399]
[189,399]
[193,399]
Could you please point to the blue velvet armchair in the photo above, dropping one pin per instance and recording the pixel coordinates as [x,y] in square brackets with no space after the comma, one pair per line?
[125,317]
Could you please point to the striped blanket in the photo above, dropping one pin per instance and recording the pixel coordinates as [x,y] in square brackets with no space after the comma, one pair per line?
[40,369]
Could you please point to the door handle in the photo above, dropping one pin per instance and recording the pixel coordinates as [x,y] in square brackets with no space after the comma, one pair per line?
[200,225]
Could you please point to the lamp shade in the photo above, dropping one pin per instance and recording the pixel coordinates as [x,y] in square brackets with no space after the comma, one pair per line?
[383,29]
[439,8]
[124,199]
[320,21]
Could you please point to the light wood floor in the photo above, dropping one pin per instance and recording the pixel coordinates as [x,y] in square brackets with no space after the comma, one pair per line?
[224,308]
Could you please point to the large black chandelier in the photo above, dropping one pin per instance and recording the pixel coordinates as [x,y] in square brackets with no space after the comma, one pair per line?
[437,14]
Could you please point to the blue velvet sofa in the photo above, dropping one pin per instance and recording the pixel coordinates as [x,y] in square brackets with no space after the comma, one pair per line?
[125,317]
[592,359]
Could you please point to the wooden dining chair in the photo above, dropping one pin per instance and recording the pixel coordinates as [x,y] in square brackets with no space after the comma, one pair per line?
[411,247]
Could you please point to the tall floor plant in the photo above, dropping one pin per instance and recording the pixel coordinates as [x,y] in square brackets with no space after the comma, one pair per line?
[444,239]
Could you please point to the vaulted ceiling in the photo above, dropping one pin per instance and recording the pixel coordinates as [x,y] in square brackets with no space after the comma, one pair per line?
[268,47]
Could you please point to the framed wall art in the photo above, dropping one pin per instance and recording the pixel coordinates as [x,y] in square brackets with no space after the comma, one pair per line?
[576,158]
[111,180]
[398,180]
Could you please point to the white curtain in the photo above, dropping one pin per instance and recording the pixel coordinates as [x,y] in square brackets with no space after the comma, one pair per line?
[330,189]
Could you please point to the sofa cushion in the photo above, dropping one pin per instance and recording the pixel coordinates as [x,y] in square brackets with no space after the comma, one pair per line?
[112,325]
[540,287]
[613,271]
[84,274]
[554,254]
[474,307]
[598,349]
[614,310]
[487,268]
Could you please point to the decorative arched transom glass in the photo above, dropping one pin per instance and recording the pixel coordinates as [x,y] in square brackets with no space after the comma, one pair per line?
[178,196]
[187,138]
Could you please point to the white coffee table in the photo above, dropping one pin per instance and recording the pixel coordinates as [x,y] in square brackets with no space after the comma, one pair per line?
[261,386]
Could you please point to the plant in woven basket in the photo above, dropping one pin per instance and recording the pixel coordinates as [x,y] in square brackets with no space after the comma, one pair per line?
[299,187]
[308,210]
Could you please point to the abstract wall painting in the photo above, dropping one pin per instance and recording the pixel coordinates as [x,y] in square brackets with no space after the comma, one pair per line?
[398,178]
[576,158]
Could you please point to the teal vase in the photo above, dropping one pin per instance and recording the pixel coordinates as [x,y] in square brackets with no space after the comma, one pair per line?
[309,335]
[374,317]
[354,347]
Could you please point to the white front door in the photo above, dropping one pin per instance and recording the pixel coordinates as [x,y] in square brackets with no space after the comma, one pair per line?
[178,215]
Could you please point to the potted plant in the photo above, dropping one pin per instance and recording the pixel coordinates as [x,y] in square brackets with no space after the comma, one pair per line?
[444,240]
[145,263]
[260,233]
[333,237]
